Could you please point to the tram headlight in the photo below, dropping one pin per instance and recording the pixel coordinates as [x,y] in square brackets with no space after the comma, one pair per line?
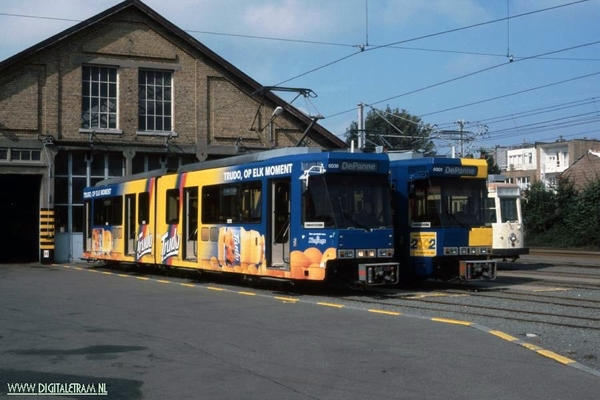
[450,251]
[385,253]
[364,253]
[346,253]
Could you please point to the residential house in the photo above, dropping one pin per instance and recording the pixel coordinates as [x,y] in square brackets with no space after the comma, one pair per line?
[520,164]
[584,171]
[554,158]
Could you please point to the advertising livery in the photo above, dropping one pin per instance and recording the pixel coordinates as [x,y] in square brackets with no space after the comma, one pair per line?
[294,214]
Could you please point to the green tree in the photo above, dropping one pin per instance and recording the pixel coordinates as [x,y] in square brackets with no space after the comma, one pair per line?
[538,209]
[489,157]
[394,129]
[583,221]
[561,216]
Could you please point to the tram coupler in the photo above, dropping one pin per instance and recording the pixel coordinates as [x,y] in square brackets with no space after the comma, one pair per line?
[477,270]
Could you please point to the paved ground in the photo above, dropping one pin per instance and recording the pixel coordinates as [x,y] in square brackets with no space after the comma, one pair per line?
[146,338]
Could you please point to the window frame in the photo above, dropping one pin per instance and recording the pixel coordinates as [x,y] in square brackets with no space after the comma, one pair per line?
[159,100]
[107,90]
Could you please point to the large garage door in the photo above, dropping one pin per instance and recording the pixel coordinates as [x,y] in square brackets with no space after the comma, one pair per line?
[19,218]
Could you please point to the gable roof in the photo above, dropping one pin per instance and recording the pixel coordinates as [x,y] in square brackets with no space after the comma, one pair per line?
[584,170]
[330,138]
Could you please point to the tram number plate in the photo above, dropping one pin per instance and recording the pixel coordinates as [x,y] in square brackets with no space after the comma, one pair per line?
[423,244]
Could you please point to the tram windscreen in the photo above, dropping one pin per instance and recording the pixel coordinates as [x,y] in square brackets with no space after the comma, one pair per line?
[447,202]
[508,209]
[348,201]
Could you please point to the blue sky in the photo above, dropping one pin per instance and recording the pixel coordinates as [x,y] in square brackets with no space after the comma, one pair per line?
[443,60]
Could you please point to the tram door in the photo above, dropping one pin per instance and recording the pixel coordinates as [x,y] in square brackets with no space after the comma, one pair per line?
[130,231]
[280,223]
[190,226]
[87,226]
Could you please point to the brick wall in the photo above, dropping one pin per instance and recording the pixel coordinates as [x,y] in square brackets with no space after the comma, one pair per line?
[212,107]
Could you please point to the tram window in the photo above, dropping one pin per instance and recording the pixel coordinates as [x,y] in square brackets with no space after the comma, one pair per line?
[108,211]
[232,203]
[426,204]
[251,202]
[144,208]
[172,211]
[508,208]
[490,211]
[210,204]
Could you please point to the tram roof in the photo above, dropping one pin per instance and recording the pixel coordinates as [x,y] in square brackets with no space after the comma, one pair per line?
[249,158]
[141,175]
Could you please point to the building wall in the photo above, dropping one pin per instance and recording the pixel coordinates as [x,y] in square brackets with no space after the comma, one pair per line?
[520,166]
[215,111]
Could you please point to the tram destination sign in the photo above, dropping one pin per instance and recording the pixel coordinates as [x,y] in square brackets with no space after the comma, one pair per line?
[454,170]
[356,166]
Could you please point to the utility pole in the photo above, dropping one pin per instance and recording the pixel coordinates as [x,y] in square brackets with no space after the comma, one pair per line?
[361,126]
[461,123]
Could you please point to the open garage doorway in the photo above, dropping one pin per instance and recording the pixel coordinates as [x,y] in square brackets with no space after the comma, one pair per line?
[19,218]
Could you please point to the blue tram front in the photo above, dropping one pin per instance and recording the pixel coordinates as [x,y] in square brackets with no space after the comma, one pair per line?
[439,221]
[345,210]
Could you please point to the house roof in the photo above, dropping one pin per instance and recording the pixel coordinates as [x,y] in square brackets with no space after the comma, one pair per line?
[331,140]
[584,170]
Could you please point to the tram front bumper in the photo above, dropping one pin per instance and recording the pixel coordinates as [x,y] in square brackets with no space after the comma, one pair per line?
[477,270]
[378,273]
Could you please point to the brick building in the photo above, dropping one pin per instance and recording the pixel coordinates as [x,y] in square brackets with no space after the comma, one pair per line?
[123,92]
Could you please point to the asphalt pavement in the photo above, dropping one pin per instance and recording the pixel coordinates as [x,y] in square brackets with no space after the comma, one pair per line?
[70,329]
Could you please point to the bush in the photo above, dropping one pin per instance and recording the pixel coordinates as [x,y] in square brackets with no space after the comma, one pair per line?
[562,216]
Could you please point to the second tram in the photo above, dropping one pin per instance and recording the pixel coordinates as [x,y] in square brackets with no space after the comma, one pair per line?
[503,212]
[439,205]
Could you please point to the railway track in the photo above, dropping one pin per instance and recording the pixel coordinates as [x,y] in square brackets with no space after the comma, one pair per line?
[539,251]
[470,307]
[580,258]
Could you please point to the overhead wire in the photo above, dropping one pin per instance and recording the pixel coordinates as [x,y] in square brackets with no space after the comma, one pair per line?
[394,44]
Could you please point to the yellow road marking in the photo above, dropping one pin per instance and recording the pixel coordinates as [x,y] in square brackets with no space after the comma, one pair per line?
[247,293]
[187,284]
[331,305]
[504,336]
[124,275]
[555,357]
[214,288]
[291,299]
[107,273]
[424,296]
[452,321]
[531,346]
[384,312]
[142,278]
[162,281]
